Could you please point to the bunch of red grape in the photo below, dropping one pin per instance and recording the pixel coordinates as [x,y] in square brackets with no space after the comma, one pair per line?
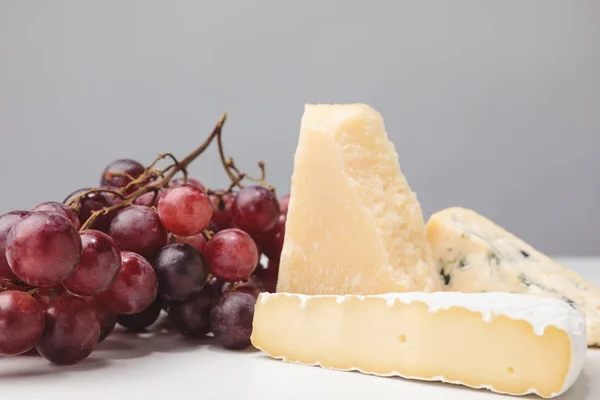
[71,271]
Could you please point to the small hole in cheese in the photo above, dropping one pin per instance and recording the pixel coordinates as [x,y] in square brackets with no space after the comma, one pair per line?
[402,338]
[511,370]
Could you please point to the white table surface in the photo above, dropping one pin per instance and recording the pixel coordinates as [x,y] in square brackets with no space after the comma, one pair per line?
[167,366]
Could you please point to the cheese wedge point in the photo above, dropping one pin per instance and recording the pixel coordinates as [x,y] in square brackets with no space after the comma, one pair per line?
[507,343]
[353,225]
[476,255]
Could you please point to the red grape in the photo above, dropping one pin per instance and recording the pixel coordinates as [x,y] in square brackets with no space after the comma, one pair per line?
[136,286]
[71,330]
[181,271]
[231,255]
[99,265]
[138,229]
[185,210]
[197,241]
[222,210]
[118,173]
[140,321]
[255,209]
[43,249]
[7,221]
[190,181]
[90,203]
[149,199]
[284,201]
[107,318]
[21,322]
[192,317]
[231,319]
[59,208]
[271,241]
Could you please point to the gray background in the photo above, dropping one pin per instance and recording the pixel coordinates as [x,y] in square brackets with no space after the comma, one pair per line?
[493,105]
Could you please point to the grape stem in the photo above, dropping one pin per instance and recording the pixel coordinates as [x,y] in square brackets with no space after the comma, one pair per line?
[166,174]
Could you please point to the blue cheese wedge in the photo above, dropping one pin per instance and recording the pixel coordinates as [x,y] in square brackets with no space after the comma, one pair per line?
[507,343]
[476,255]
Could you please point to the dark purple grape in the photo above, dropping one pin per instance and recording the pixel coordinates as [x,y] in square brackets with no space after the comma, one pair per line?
[136,286]
[255,209]
[268,276]
[181,271]
[107,318]
[71,330]
[231,255]
[139,229]
[222,210]
[59,208]
[90,203]
[99,265]
[185,210]
[192,317]
[216,286]
[119,173]
[140,321]
[7,221]
[43,248]
[231,319]
[21,322]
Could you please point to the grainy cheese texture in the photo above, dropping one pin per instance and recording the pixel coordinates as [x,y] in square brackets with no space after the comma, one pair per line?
[508,343]
[353,225]
[476,255]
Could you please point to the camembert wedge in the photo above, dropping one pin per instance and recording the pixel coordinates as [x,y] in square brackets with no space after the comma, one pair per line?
[508,343]
[476,255]
[353,225]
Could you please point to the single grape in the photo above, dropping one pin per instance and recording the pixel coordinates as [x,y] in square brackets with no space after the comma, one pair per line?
[7,221]
[268,276]
[149,199]
[107,318]
[222,210]
[231,319]
[59,208]
[255,209]
[99,265]
[284,202]
[192,317]
[136,286]
[140,321]
[119,173]
[71,330]
[197,241]
[181,271]
[93,202]
[21,322]
[271,241]
[43,248]
[252,286]
[190,181]
[185,210]
[231,255]
[139,229]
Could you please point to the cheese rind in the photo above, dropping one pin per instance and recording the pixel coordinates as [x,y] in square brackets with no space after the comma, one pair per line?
[507,343]
[353,224]
[476,255]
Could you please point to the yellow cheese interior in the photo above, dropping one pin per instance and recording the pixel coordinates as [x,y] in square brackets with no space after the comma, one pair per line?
[408,340]
[354,226]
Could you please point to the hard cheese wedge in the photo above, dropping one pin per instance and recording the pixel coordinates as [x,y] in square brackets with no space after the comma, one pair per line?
[508,343]
[476,255]
[353,225]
